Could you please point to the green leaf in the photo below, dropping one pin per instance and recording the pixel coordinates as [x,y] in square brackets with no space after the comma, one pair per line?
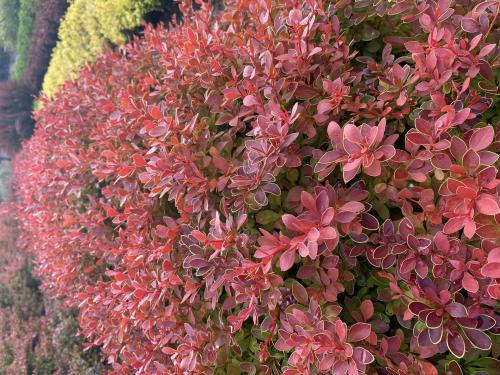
[267,217]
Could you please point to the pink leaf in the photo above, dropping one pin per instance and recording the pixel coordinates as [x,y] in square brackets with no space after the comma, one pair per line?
[287,260]
[491,270]
[250,101]
[363,356]
[487,205]
[481,138]
[470,283]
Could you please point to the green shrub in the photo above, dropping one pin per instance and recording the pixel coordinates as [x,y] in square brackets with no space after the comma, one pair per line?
[86,28]
[27,12]
[7,356]
[8,23]
[5,176]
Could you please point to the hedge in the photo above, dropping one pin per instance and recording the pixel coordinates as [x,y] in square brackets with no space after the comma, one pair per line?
[37,335]
[26,16]
[44,37]
[279,188]
[8,23]
[86,28]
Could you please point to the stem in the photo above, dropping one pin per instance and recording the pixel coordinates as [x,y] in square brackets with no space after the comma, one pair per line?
[492,23]
[263,351]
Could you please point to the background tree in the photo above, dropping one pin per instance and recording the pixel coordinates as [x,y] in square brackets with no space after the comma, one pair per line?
[8,23]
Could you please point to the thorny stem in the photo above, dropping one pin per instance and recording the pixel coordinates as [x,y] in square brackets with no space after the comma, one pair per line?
[492,22]
[263,351]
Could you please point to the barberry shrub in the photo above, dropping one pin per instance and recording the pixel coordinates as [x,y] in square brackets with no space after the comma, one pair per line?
[279,187]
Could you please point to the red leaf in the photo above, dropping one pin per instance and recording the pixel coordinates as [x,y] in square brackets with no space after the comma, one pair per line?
[456,344]
[300,293]
[140,293]
[367,309]
[168,350]
[478,338]
[487,206]
[358,332]
[139,161]
[126,171]
[156,113]
[457,310]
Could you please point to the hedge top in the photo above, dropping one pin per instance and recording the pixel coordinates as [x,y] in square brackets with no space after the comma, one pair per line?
[282,187]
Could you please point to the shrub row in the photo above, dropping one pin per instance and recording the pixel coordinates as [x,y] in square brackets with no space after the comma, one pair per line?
[21,310]
[86,28]
[37,336]
[286,187]
[16,97]
[44,37]
[8,23]
[26,16]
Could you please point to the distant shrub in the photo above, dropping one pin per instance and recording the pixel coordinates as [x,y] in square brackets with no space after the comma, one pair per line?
[4,64]
[5,178]
[43,40]
[37,336]
[26,17]
[8,23]
[21,309]
[287,187]
[86,28]
[16,122]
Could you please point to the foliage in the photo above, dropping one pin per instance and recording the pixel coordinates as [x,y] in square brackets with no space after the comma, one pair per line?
[43,41]
[21,321]
[284,187]
[4,64]
[36,336]
[86,28]
[8,23]
[16,123]
[27,11]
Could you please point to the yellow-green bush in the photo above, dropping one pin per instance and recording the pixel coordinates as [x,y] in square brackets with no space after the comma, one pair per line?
[87,26]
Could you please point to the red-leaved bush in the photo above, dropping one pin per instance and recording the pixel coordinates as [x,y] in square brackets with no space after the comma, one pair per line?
[281,187]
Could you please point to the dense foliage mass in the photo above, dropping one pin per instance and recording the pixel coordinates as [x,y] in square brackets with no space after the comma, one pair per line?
[33,54]
[26,16]
[284,187]
[16,123]
[4,64]
[37,335]
[43,40]
[21,310]
[86,28]
[8,23]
